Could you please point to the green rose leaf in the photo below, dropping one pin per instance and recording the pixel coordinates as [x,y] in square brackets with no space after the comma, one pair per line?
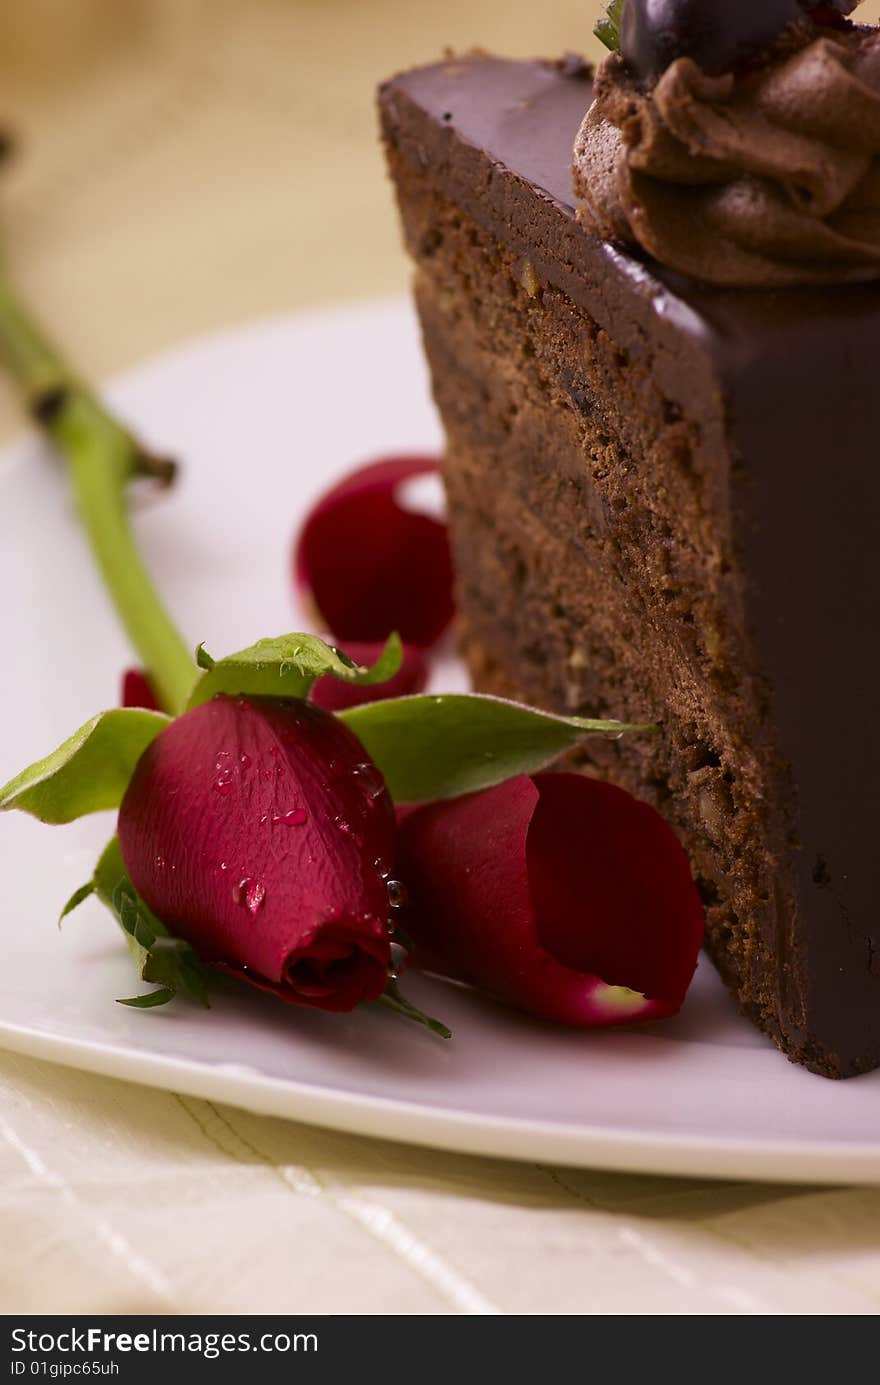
[76,899]
[168,962]
[608,29]
[392,998]
[440,747]
[150,999]
[287,667]
[89,772]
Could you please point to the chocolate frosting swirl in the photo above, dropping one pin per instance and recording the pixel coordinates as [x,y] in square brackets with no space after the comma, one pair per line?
[764,178]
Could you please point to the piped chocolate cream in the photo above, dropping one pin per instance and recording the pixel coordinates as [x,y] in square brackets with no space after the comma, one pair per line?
[765,177]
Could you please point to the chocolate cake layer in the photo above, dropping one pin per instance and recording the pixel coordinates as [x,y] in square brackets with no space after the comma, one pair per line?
[664,504]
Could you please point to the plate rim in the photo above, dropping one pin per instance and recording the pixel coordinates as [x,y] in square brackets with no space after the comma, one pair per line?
[604,1147]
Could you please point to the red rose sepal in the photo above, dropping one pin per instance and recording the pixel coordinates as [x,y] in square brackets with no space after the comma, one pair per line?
[369,565]
[558,894]
[259,832]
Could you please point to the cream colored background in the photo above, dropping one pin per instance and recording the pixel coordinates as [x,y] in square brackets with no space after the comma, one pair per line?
[185,164]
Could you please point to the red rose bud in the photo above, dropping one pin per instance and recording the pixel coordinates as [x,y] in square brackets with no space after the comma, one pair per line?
[137,691]
[260,832]
[334,695]
[558,894]
[371,566]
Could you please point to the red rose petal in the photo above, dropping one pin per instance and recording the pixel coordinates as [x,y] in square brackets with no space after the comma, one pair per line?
[137,691]
[259,831]
[412,676]
[370,566]
[558,894]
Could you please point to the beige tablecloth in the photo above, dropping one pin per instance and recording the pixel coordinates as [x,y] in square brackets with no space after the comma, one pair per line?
[185,164]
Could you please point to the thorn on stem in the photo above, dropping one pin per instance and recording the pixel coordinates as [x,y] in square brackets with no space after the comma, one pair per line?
[46,406]
[160,469]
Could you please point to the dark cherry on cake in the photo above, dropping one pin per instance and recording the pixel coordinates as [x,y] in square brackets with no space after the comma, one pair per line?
[717,34]
[659,391]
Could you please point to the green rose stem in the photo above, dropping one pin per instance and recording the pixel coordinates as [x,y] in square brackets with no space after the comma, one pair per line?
[102,457]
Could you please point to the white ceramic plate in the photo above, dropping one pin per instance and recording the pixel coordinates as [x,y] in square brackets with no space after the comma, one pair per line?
[264,417]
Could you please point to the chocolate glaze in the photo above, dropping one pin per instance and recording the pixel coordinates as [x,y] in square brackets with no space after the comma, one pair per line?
[792,373]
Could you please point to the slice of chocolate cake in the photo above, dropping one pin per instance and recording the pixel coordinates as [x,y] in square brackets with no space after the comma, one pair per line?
[665,504]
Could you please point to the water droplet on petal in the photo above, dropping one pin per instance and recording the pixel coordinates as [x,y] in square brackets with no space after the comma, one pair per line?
[370,779]
[382,866]
[223,786]
[345,826]
[160,862]
[244,761]
[396,893]
[398,959]
[249,893]
[294,818]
